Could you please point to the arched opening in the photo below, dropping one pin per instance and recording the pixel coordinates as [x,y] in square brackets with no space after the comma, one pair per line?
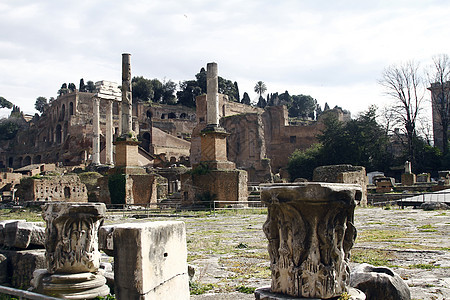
[63,111]
[223,110]
[163,116]
[19,162]
[149,114]
[71,108]
[183,116]
[172,116]
[37,159]
[10,162]
[65,131]
[146,141]
[58,134]
[27,161]
[67,192]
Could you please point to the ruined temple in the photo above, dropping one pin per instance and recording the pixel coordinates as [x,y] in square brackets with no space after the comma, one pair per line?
[78,129]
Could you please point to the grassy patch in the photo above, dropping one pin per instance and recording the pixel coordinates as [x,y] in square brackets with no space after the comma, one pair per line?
[30,215]
[424,266]
[414,246]
[245,269]
[198,288]
[245,289]
[375,257]
[427,228]
[378,235]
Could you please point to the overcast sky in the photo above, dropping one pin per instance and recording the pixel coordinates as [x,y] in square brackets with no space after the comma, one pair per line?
[334,51]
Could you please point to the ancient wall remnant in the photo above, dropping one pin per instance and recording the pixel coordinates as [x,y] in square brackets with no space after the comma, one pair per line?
[343,174]
[67,188]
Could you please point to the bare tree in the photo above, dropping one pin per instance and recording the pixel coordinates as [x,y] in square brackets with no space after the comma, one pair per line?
[439,80]
[404,85]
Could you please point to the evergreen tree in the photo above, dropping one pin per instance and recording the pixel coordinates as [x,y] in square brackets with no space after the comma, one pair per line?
[82,87]
[41,104]
[245,99]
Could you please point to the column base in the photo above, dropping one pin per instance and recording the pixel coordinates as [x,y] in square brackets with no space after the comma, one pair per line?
[70,286]
[264,293]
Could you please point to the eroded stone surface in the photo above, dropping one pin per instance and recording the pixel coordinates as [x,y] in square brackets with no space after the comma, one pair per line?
[154,254]
[21,234]
[310,231]
[379,283]
[72,236]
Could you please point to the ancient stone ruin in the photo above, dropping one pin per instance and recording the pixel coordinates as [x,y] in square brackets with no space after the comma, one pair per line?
[214,177]
[72,255]
[310,231]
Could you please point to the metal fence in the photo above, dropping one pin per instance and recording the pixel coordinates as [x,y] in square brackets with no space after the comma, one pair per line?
[415,199]
[21,294]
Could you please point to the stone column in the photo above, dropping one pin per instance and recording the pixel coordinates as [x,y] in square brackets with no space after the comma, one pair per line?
[71,244]
[310,231]
[109,133]
[127,113]
[96,135]
[212,95]
[119,114]
[407,167]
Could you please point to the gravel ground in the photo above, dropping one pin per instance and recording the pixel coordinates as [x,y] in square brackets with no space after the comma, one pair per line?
[228,250]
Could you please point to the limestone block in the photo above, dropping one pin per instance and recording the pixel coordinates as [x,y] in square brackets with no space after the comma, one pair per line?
[379,283]
[2,228]
[150,261]
[105,239]
[21,265]
[434,206]
[23,234]
[3,269]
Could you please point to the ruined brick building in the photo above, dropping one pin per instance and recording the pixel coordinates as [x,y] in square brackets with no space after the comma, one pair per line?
[260,140]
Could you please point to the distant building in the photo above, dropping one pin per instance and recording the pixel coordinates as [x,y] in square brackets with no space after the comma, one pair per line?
[438,94]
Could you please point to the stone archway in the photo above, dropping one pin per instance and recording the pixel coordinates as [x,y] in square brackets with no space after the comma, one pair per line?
[27,160]
[146,141]
[58,133]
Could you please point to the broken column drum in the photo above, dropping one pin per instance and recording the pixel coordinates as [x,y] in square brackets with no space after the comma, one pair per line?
[72,255]
[310,231]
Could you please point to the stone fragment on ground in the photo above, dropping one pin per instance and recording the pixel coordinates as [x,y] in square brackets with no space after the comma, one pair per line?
[379,283]
[20,234]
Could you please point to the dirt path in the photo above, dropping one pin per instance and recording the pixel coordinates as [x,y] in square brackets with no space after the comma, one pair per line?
[230,258]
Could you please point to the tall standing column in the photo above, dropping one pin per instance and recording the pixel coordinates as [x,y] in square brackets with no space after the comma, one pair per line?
[127,112]
[109,133]
[96,135]
[212,95]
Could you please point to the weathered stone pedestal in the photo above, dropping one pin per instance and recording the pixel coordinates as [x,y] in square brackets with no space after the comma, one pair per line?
[214,178]
[310,231]
[150,259]
[72,255]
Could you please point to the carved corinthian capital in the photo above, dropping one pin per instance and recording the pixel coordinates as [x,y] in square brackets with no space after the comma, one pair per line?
[71,240]
[310,231]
